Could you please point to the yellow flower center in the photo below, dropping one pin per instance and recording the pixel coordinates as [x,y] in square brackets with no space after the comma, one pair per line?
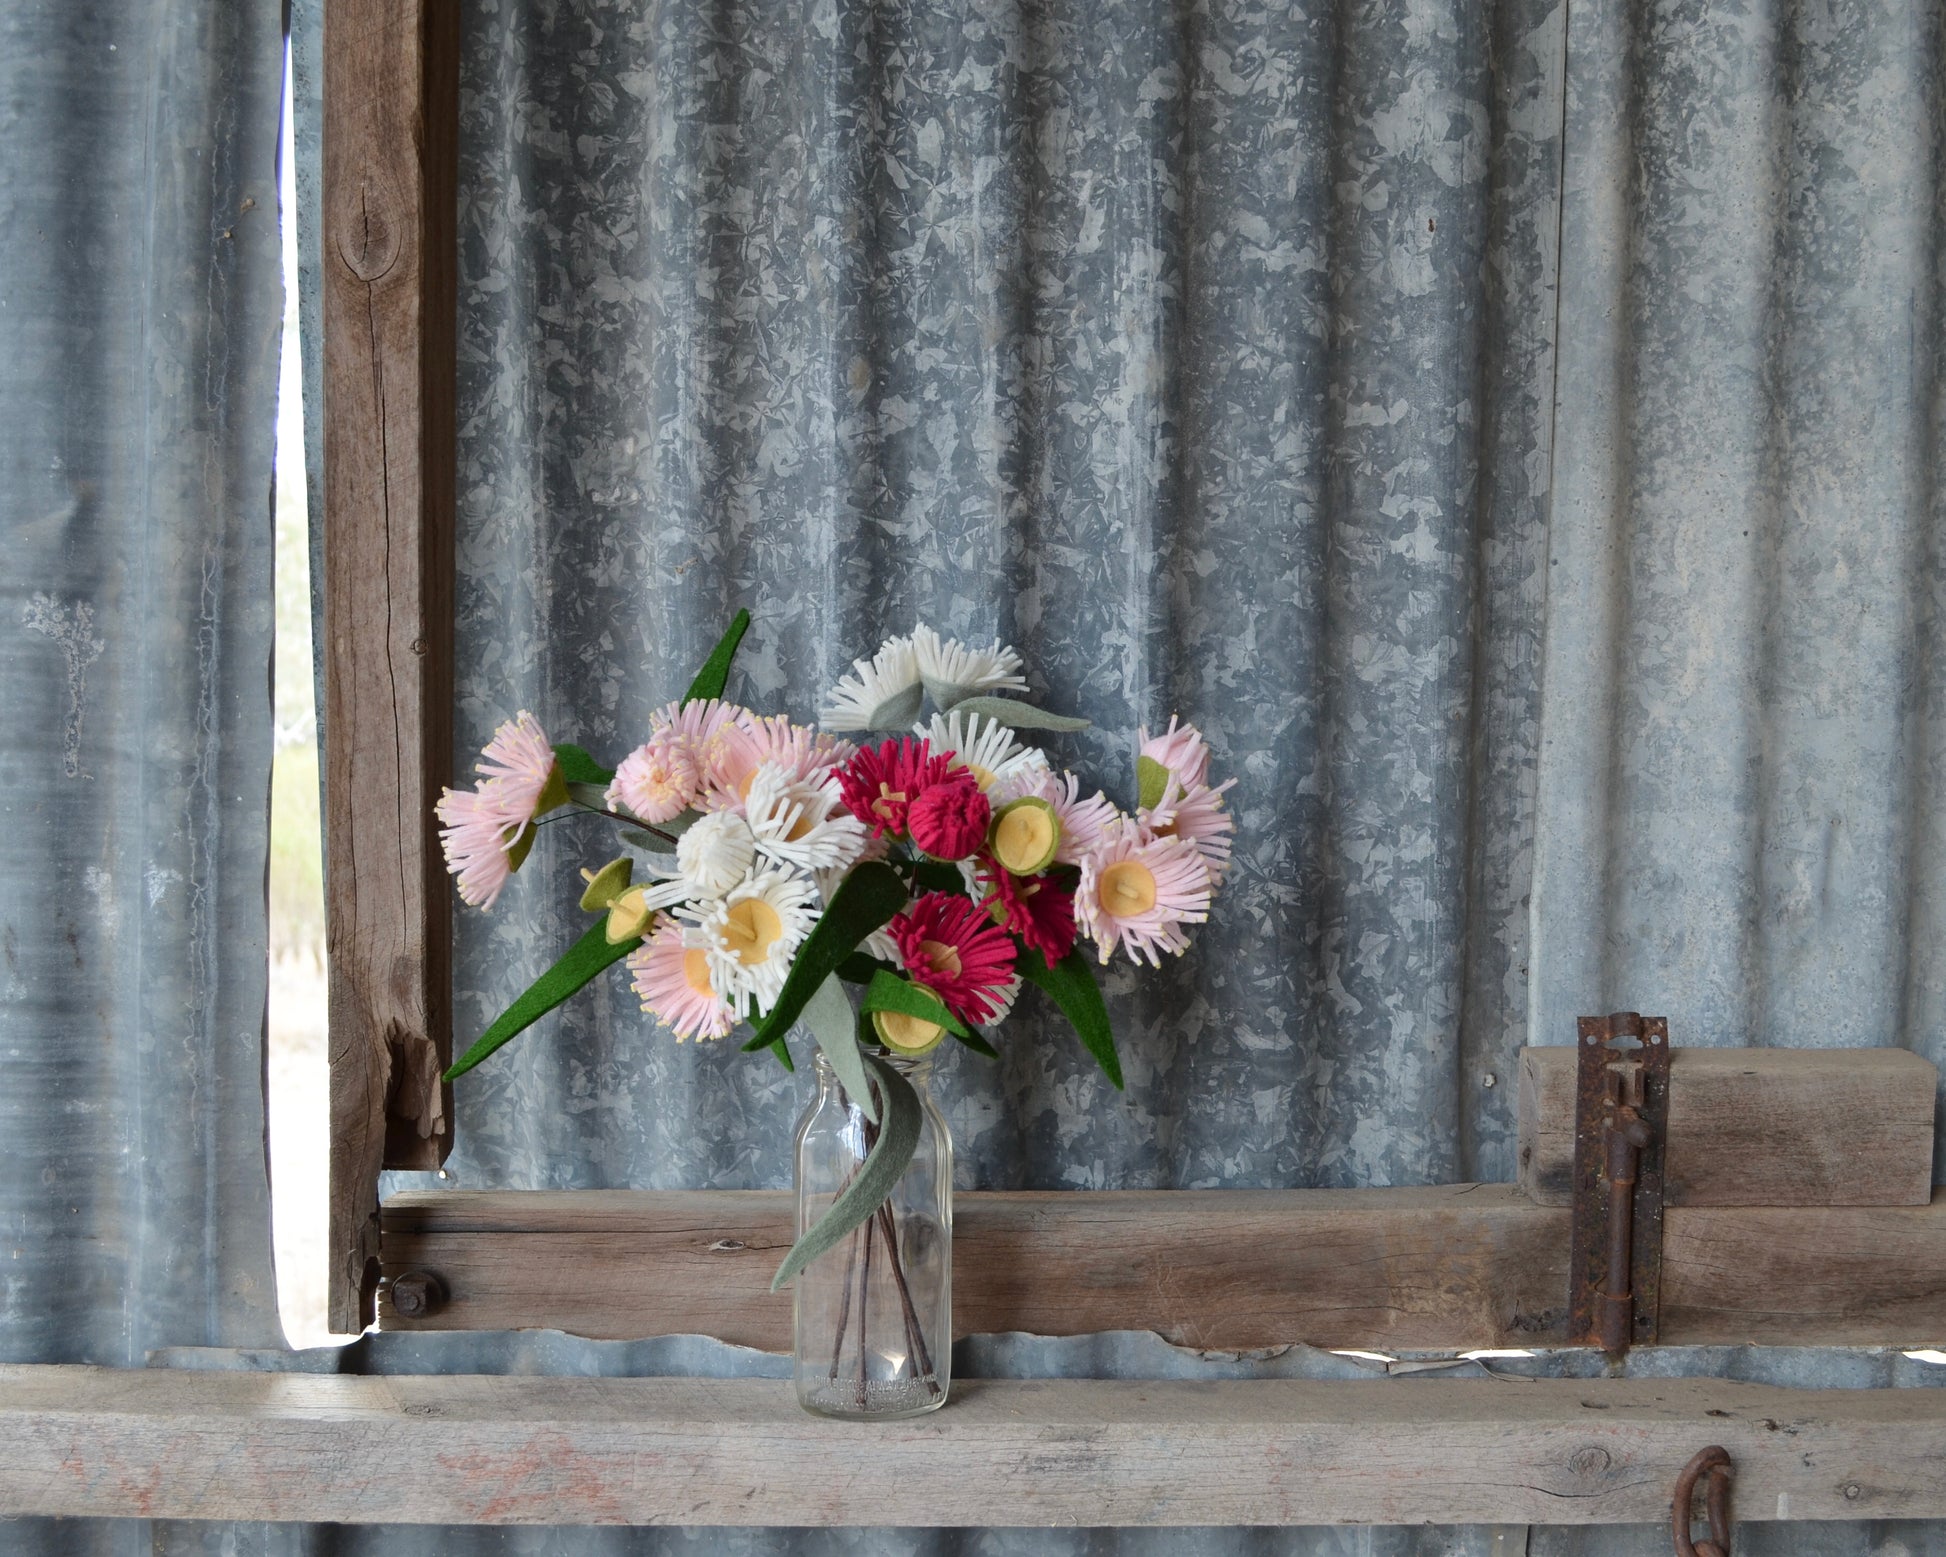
[985,777]
[695,971]
[799,828]
[750,928]
[911,1034]
[888,797]
[1024,837]
[628,916]
[944,958]
[1127,888]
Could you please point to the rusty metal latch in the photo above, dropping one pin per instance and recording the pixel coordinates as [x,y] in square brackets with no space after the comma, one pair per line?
[1621,1115]
[1715,1461]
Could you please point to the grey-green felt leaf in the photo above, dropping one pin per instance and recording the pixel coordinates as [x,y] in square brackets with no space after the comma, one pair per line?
[1020,716]
[899,710]
[1152,782]
[593,796]
[878,1175]
[829,1016]
[947,694]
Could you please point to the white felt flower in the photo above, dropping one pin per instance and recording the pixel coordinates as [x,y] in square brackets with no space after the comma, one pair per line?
[881,693]
[715,854]
[801,823]
[951,670]
[984,747]
[751,934]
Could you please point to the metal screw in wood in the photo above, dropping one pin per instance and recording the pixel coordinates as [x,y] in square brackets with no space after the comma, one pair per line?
[1715,1461]
[417,1294]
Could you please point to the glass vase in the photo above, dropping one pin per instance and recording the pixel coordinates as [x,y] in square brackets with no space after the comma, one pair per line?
[874,1314]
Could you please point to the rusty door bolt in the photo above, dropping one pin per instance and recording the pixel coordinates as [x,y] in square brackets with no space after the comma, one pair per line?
[417,1294]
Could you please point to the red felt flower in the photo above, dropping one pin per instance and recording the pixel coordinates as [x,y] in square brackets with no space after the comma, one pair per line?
[958,953]
[949,820]
[880,782]
[1038,909]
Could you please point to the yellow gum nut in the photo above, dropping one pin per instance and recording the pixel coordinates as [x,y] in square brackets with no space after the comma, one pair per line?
[906,1034]
[606,884]
[1025,835]
[628,917]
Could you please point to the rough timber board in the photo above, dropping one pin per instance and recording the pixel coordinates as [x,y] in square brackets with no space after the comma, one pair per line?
[471,1450]
[1444,1268]
[1757,1127]
[391,115]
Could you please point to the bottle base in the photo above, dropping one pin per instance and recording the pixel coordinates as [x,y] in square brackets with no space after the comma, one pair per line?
[879,1401]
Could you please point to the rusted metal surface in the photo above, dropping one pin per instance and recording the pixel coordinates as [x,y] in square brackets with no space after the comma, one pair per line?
[418,1294]
[1620,1127]
[1715,1461]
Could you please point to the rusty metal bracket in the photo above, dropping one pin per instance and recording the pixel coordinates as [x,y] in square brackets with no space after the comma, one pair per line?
[1621,1116]
[1715,1460]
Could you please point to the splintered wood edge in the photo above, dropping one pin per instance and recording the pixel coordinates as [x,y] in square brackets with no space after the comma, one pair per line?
[160,1444]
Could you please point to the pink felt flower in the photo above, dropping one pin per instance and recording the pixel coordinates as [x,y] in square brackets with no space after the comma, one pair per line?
[1182,750]
[474,838]
[664,776]
[483,831]
[1140,892]
[659,779]
[949,946]
[880,782]
[742,745]
[673,981]
[1037,909]
[1198,816]
[949,821]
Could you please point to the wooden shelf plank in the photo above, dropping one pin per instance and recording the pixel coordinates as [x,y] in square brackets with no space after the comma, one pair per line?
[1757,1127]
[1428,1269]
[470,1450]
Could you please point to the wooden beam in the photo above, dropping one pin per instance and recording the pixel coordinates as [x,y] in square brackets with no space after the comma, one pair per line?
[469,1450]
[390,164]
[1757,1127]
[1448,1268]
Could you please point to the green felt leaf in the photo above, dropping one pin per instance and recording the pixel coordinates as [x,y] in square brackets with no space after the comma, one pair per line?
[936,876]
[1071,982]
[593,796]
[975,1040]
[898,711]
[947,694]
[1020,716]
[577,767]
[1152,782]
[586,958]
[715,674]
[832,1022]
[865,899]
[878,1175]
[859,968]
[889,991]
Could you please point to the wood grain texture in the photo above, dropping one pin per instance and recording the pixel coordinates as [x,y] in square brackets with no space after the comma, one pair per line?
[1757,1127]
[1430,1269]
[471,1450]
[390,160]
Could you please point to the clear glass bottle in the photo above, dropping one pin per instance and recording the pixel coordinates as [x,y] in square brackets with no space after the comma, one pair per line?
[874,1314]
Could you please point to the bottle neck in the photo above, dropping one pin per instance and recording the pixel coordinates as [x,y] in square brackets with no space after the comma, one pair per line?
[916,1069]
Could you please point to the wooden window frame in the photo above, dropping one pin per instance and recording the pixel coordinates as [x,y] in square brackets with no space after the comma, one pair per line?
[1450,1267]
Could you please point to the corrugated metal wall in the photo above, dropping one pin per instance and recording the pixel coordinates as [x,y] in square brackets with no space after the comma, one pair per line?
[1206,351]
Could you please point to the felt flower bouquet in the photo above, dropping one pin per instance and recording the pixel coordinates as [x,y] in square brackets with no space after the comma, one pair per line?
[935,865]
